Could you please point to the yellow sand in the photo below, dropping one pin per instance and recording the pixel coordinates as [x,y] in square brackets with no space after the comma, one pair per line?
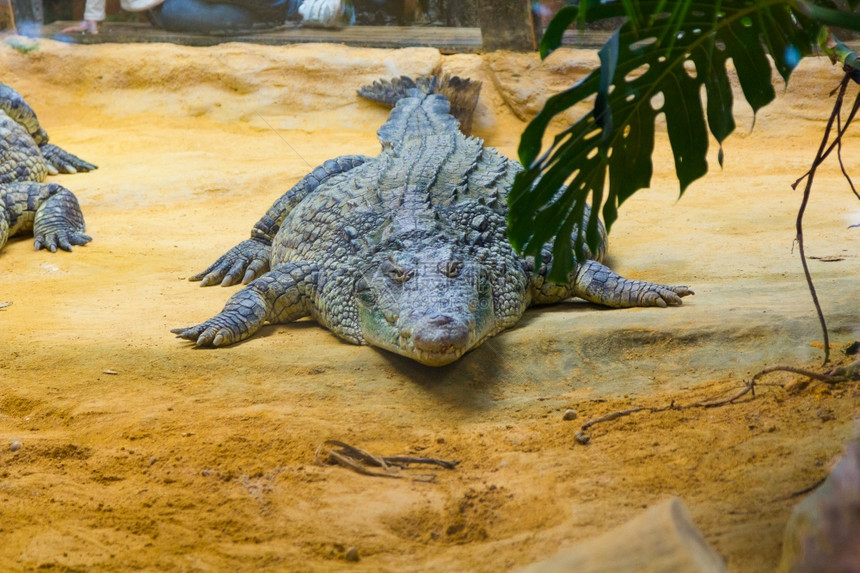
[138,452]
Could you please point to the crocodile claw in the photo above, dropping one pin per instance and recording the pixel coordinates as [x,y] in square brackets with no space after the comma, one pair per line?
[63,239]
[203,335]
[214,332]
[64,162]
[664,295]
[243,263]
[244,313]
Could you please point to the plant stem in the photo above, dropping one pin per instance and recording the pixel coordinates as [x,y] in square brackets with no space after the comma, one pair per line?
[837,107]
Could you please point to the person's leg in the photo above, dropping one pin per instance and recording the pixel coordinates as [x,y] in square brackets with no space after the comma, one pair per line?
[263,10]
[206,17]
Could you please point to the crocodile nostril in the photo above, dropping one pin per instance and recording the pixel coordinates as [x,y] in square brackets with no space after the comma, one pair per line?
[440,333]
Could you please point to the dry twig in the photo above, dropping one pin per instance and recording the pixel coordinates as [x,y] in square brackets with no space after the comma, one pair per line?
[749,387]
[361,461]
[833,376]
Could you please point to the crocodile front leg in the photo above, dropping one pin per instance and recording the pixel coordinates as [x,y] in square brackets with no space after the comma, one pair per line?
[50,210]
[246,261]
[61,161]
[282,295]
[250,258]
[598,284]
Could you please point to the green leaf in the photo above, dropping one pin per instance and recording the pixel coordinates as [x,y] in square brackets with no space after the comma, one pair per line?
[608,55]
[554,32]
[658,62]
[751,63]
[685,123]
[564,18]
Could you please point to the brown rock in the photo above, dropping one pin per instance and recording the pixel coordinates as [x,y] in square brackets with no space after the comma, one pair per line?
[823,532]
[662,539]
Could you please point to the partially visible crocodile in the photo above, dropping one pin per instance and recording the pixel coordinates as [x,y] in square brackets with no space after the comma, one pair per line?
[50,210]
[406,251]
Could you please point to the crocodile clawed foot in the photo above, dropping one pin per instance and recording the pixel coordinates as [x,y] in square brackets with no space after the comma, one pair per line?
[60,239]
[664,295]
[64,162]
[245,312]
[206,334]
[243,263]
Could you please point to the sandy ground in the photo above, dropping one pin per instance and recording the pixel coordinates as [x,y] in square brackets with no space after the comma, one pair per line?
[138,452]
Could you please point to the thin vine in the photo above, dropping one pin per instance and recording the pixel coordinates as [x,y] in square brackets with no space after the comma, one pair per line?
[837,52]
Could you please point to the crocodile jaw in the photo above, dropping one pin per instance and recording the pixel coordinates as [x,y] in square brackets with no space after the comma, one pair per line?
[434,340]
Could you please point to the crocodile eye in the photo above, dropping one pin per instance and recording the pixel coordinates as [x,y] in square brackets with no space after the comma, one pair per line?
[484,284]
[395,272]
[365,293]
[451,269]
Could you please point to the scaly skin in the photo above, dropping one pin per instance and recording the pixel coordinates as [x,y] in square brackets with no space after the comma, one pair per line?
[406,251]
[50,211]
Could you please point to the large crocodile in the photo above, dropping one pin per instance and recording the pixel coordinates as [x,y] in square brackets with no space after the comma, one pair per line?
[406,251]
[49,210]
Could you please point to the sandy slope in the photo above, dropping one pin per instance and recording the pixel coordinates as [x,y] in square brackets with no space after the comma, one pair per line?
[140,453]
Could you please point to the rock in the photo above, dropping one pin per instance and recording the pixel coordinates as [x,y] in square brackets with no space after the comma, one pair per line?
[823,532]
[525,82]
[569,415]
[16,445]
[662,539]
[352,555]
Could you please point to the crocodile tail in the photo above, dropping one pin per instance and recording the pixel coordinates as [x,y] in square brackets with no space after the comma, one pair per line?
[461,93]
[417,115]
[389,92]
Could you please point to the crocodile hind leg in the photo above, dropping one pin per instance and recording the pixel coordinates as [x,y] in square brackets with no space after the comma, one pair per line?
[282,295]
[598,284]
[250,258]
[50,210]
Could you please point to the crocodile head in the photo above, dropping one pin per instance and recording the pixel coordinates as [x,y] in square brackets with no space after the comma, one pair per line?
[431,304]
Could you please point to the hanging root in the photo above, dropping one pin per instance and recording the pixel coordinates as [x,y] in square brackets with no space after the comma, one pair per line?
[823,151]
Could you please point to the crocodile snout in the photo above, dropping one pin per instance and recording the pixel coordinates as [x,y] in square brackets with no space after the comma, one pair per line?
[440,333]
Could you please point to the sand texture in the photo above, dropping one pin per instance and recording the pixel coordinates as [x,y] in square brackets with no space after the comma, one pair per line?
[135,451]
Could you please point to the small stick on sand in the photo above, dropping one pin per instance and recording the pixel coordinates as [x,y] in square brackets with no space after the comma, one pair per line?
[361,461]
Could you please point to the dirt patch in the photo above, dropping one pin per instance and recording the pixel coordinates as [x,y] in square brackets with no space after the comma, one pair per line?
[137,452]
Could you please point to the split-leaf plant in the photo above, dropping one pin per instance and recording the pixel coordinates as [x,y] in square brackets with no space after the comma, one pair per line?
[658,62]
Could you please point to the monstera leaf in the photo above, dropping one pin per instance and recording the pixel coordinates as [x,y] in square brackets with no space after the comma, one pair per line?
[656,63]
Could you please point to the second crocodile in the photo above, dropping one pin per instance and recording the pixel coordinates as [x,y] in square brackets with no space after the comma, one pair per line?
[49,210]
[405,251]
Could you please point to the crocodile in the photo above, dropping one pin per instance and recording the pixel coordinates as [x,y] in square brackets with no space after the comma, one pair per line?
[49,210]
[406,251]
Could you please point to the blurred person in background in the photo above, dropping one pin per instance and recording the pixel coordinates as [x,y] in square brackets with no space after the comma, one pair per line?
[205,16]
